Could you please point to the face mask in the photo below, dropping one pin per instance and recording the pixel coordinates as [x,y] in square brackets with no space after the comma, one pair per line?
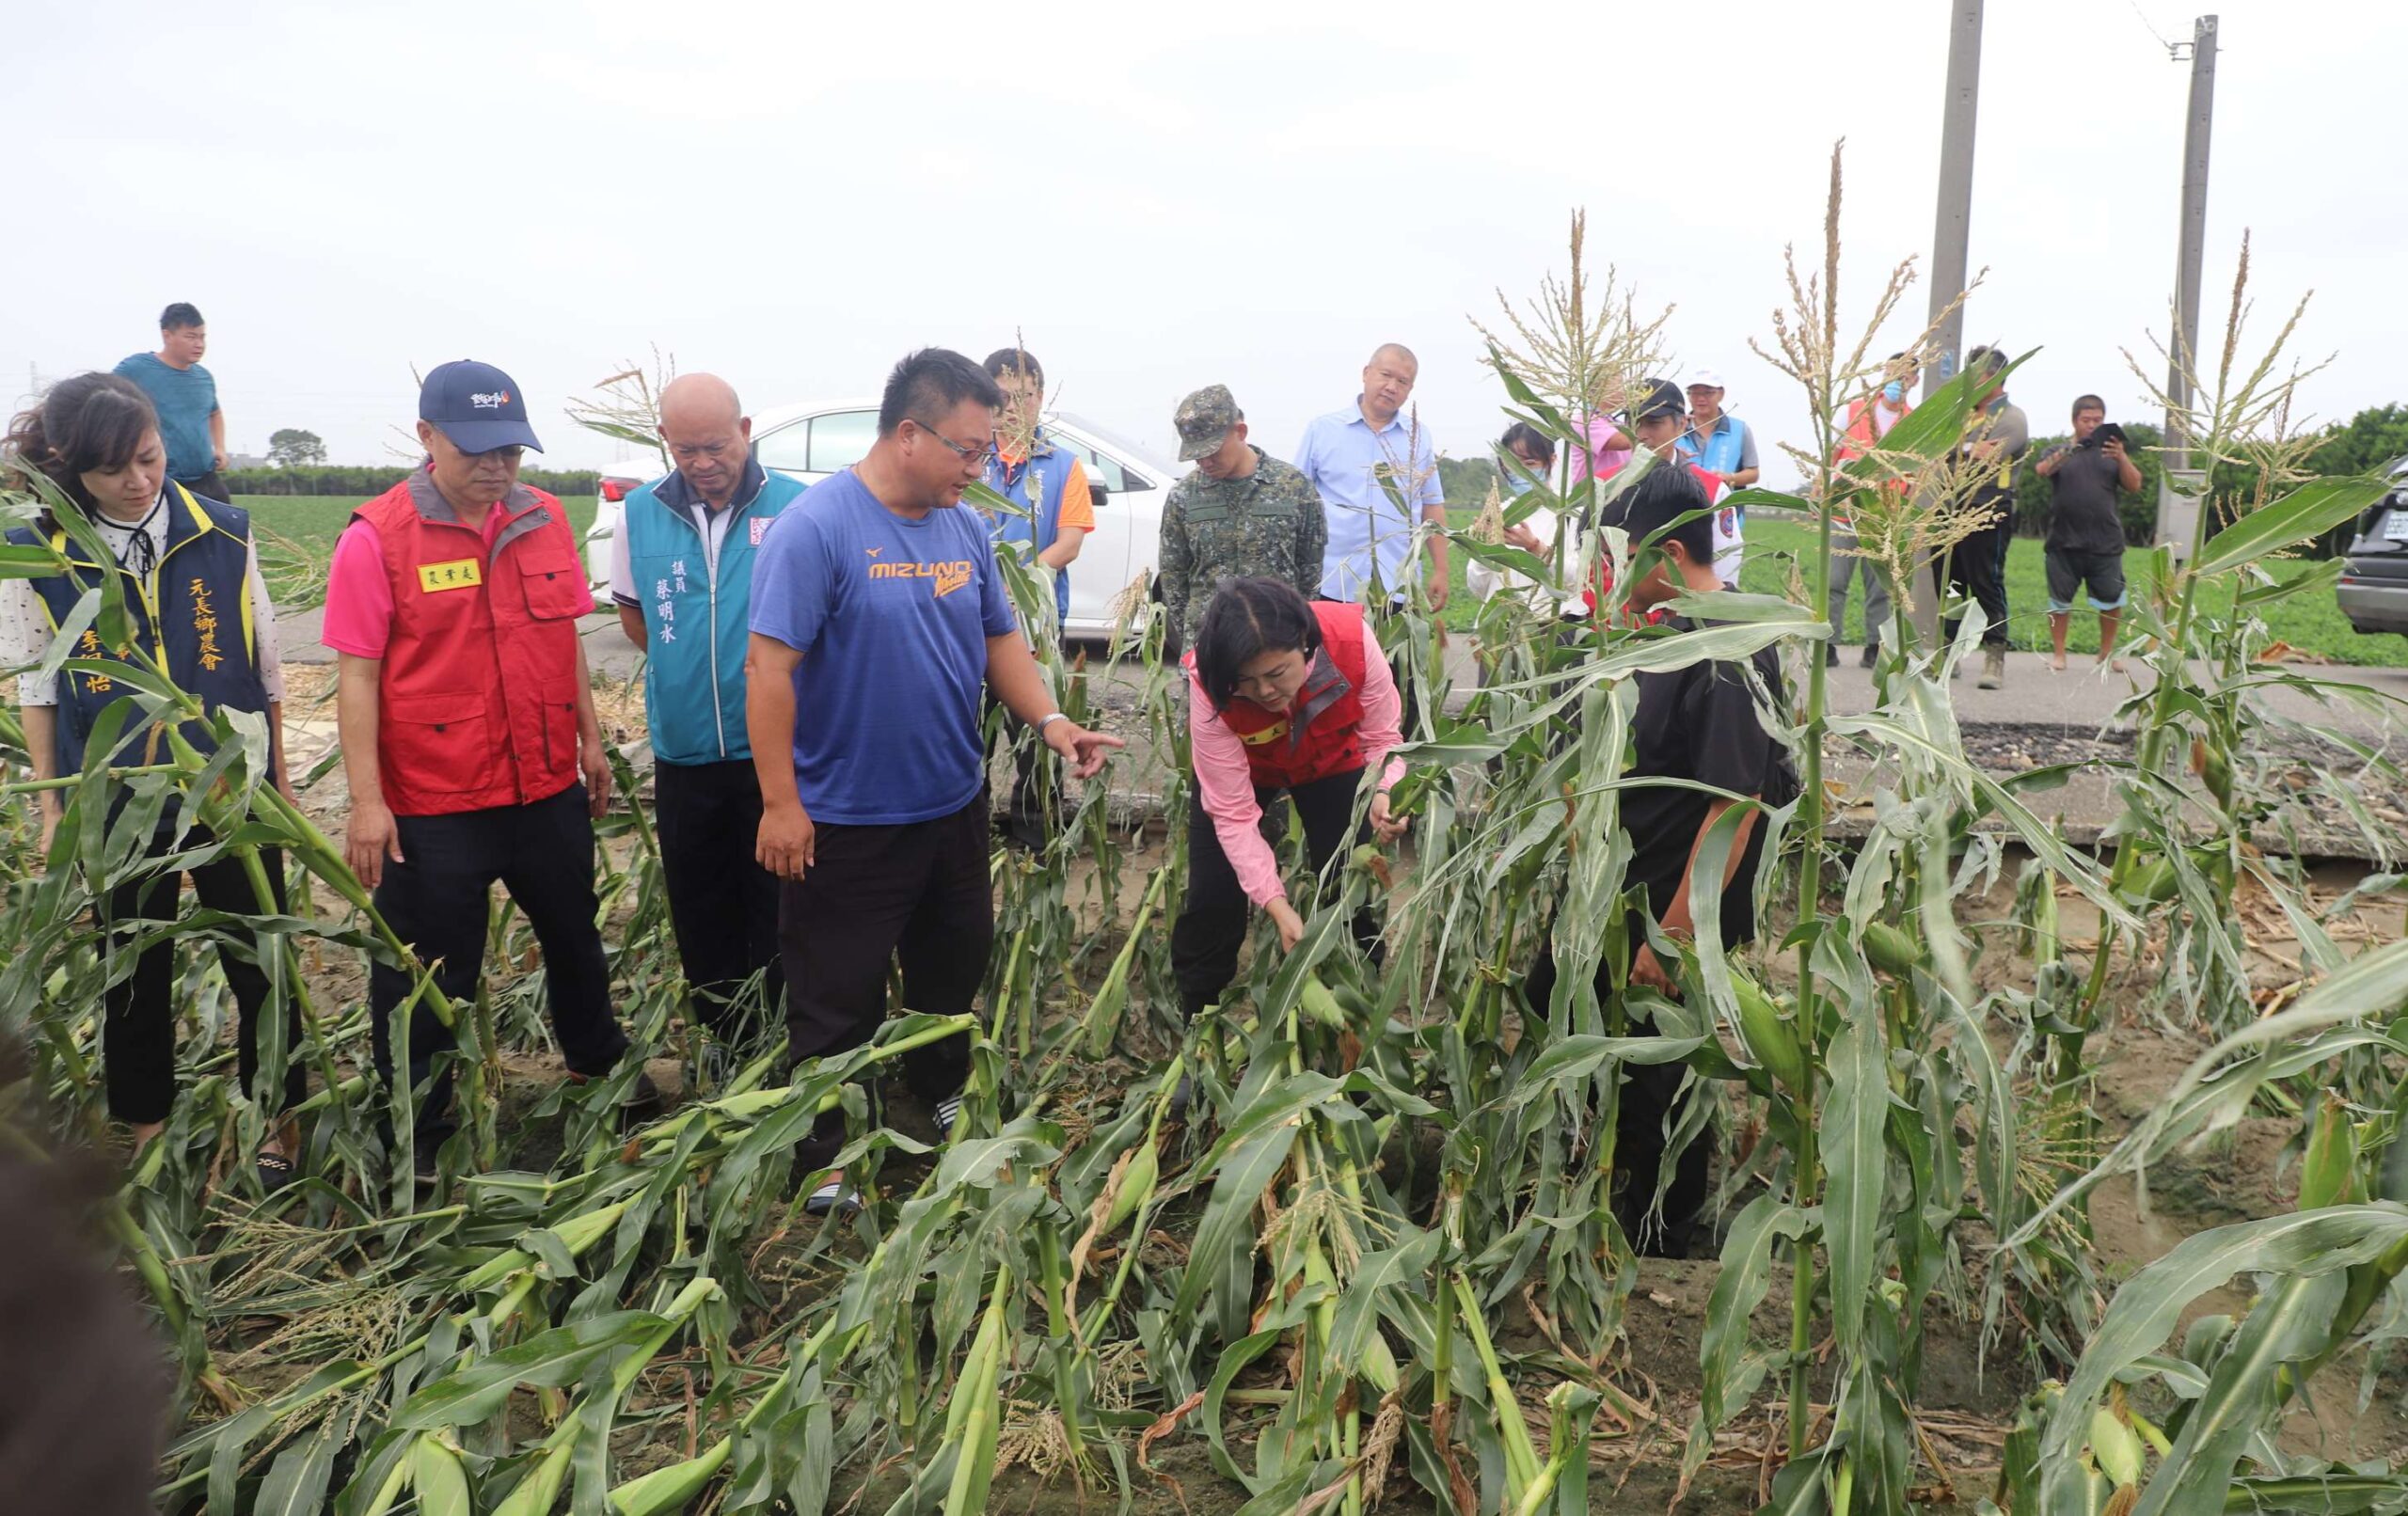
[1894,392]
[1517,486]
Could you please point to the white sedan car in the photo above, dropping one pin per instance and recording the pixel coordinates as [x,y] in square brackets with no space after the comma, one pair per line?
[810,442]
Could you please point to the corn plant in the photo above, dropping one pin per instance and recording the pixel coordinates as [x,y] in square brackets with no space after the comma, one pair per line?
[2206,1440]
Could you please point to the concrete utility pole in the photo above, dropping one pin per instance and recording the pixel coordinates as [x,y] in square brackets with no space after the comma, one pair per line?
[2177,506]
[1952,232]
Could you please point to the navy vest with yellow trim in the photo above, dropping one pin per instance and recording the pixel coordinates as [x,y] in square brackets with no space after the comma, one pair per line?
[192,613]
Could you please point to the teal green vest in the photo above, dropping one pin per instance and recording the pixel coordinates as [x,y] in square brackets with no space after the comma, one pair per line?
[697,624]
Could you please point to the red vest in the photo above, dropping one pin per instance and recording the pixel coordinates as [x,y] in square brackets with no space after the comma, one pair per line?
[477,706]
[1323,733]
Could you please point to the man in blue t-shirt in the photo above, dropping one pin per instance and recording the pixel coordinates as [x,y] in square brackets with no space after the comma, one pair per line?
[878,617]
[185,396]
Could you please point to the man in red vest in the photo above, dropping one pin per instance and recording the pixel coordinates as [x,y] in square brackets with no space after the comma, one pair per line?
[469,732]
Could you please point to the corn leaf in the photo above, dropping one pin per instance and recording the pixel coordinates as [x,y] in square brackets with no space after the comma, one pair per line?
[2311,510]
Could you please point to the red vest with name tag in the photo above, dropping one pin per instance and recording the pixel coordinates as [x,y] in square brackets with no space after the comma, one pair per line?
[477,706]
[1323,733]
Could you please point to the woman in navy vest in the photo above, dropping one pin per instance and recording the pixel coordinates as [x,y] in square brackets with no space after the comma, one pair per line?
[195,602]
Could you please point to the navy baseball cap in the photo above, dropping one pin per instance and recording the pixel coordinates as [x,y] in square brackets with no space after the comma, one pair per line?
[477,406]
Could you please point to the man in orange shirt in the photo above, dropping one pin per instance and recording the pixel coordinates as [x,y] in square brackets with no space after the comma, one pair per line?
[1869,419]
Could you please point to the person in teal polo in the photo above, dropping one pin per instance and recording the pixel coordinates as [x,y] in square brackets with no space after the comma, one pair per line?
[681,576]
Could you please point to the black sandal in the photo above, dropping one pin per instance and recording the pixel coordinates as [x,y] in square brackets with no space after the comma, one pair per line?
[276,1171]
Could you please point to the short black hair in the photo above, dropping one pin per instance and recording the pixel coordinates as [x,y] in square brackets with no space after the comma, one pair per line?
[1985,360]
[1531,440]
[1663,495]
[1247,619]
[181,314]
[930,382]
[2088,403]
[1017,360]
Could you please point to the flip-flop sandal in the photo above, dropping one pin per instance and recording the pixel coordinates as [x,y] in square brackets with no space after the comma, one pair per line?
[276,1171]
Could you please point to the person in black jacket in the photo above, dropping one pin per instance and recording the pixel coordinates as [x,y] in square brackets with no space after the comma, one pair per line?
[1705,723]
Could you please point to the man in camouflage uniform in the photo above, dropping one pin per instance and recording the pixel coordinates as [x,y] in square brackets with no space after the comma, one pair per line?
[1242,512]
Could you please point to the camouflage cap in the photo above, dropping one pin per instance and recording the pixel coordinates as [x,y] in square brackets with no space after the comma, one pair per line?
[1204,419]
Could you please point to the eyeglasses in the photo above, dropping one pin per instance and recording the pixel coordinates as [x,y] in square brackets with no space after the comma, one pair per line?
[967,452]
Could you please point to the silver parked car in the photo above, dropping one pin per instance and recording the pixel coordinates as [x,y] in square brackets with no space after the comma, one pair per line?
[812,442]
[2373,592]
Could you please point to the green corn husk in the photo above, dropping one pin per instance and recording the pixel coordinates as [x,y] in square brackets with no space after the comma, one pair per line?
[2154,883]
[1770,1039]
[2329,1174]
[1316,1001]
[2118,1448]
[1138,1183]
[1890,950]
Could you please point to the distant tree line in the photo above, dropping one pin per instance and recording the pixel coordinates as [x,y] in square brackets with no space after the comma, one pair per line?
[376,478]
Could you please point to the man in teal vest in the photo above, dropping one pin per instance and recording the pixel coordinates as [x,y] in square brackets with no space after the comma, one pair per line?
[682,576]
[1056,511]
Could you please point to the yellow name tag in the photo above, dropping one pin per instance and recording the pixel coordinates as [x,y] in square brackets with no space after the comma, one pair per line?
[460,574]
[1269,733]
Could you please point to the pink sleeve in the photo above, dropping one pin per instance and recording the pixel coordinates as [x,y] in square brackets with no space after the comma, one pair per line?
[1383,717]
[1227,792]
[360,599]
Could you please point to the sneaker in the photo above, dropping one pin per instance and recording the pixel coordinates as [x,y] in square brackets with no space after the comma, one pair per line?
[831,1196]
[948,1114]
[1830,654]
[1872,656]
[276,1171]
[1993,670]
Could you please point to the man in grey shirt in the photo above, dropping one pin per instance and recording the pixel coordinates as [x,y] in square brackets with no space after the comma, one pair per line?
[2085,546]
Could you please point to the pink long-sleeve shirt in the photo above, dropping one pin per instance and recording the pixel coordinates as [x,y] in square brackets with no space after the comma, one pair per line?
[1227,788]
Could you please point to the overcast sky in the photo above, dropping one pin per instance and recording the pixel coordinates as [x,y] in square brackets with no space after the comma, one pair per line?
[1157,196]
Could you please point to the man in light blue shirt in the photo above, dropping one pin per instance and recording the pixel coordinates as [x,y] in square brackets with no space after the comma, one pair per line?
[185,396]
[1353,457]
[1720,444]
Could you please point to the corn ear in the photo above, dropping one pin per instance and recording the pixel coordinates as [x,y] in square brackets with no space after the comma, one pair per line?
[2329,1175]
[2153,883]
[537,1494]
[1138,1183]
[2118,1448]
[1379,1364]
[1318,1004]
[1771,1041]
[1890,950]
[673,1488]
[440,1479]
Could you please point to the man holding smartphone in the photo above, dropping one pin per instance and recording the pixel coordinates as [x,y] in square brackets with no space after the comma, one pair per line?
[2085,544]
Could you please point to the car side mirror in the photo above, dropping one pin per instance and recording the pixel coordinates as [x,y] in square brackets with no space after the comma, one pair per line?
[1098,493]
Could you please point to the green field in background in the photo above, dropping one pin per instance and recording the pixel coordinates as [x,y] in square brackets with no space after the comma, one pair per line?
[2310,622]
[313,522]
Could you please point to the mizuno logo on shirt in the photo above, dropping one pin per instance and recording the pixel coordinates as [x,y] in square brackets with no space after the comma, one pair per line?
[949,576]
